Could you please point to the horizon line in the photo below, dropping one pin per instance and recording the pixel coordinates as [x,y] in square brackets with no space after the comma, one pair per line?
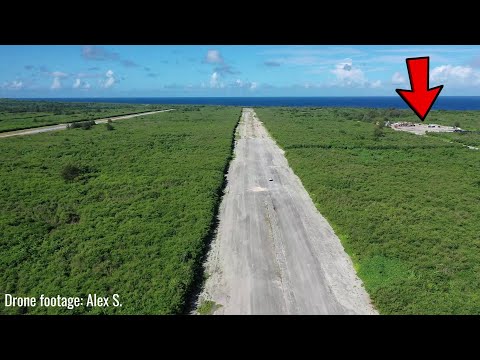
[218,97]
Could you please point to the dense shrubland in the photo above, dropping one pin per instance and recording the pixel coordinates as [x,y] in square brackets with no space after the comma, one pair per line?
[22,114]
[125,211]
[406,207]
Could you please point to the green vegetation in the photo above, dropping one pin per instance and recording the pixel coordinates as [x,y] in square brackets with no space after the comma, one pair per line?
[207,307]
[467,120]
[468,138]
[85,125]
[378,133]
[23,114]
[71,172]
[125,211]
[405,207]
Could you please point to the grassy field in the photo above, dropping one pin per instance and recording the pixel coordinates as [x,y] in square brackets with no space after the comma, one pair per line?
[406,207]
[125,211]
[16,115]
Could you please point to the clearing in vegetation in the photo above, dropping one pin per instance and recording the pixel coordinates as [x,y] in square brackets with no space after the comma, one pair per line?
[273,253]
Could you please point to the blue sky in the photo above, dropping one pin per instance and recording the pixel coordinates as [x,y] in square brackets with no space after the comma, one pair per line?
[247,70]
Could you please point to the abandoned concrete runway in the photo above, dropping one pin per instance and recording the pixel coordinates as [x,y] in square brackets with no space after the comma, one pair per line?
[274,253]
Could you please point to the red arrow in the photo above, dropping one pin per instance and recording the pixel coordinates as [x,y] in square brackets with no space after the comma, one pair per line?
[420,98]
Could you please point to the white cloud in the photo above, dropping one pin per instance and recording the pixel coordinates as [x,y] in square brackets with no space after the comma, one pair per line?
[13,85]
[56,83]
[110,80]
[307,56]
[398,79]
[348,75]
[79,84]
[456,75]
[244,84]
[214,80]
[57,76]
[16,85]
[213,57]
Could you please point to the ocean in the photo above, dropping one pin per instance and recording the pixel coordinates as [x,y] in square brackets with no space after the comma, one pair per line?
[442,103]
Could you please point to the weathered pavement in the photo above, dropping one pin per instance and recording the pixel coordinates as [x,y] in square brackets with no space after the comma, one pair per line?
[274,253]
[64,126]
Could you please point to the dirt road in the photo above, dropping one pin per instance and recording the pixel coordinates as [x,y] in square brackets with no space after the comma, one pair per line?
[64,126]
[274,253]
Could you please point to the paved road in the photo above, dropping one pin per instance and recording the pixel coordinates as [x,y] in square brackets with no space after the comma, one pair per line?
[274,253]
[64,126]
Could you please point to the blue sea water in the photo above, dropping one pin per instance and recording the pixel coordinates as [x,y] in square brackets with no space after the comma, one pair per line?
[442,103]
